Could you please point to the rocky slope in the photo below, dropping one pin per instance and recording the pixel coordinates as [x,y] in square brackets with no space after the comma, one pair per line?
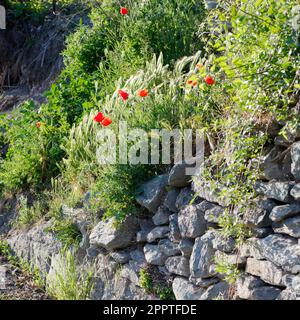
[180,239]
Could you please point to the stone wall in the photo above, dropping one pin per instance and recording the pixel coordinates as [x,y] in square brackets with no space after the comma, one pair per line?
[179,238]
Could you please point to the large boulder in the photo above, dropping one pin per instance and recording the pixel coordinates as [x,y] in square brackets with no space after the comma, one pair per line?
[283,251]
[252,288]
[184,290]
[178,265]
[265,270]
[275,190]
[295,154]
[191,222]
[205,190]
[290,226]
[279,213]
[168,247]
[158,233]
[257,213]
[151,193]
[217,291]
[161,216]
[110,236]
[202,256]
[154,255]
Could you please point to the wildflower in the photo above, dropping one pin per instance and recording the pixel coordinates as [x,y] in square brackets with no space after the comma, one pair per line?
[195,83]
[123,94]
[209,80]
[143,93]
[199,65]
[190,82]
[106,121]
[38,124]
[99,117]
[123,11]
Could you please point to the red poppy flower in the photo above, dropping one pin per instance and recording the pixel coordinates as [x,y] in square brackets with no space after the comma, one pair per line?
[209,80]
[123,94]
[106,121]
[195,83]
[190,82]
[123,11]
[38,124]
[99,117]
[143,93]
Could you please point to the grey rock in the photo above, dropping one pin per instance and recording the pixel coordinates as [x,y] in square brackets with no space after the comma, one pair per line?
[290,226]
[265,270]
[245,286]
[36,246]
[229,259]
[121,256]
[202,257]
[178,265]
[186,247]
[295,192]
[130,273]
[257,213]
[168,248]
[138,256]
[146,226]
[141,236]
[204,190]
[183,290]
[204,283]
[249,249]
[292,282]
[109,236]
[191,222]
[271,166]
[212,215]
[222,243]
[282,212]
[295,154]
[174,234]
[161,216]
[184,198]
[170,200]
[158,233]
[288,294]
[262,232]
[218,290]
[154,255]
[275,190]
[265,293]
[151,193]
[283,251]
[179,176]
